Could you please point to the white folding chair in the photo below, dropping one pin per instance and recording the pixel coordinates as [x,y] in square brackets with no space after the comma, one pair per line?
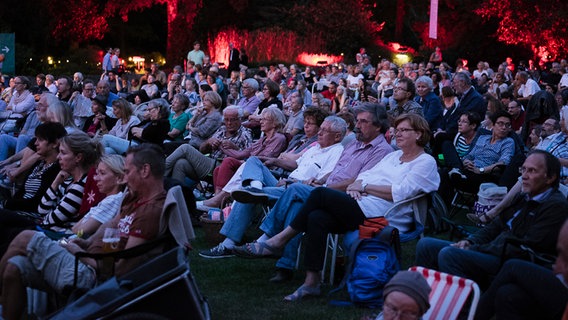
[334,246]
[449,294]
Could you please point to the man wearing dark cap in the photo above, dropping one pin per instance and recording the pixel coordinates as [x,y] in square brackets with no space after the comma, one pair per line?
[406,296]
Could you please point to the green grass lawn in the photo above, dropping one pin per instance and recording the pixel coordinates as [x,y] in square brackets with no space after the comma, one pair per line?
[239,289]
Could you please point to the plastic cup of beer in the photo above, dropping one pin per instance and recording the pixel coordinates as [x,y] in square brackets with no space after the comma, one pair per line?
[111,239]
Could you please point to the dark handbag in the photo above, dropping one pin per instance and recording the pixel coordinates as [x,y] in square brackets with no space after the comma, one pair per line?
[388,93]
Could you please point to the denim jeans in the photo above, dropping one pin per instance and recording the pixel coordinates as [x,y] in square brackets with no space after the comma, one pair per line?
[115,145]
[242,215]
[7,143]
[281,215]
[255,170]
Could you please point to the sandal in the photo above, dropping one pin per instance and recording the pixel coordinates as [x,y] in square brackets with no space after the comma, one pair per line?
[302,292]
[255,250]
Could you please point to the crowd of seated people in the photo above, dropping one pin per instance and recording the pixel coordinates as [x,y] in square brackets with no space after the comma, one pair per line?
[458,127]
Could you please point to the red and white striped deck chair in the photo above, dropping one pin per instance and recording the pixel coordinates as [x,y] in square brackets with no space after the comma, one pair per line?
[449,294]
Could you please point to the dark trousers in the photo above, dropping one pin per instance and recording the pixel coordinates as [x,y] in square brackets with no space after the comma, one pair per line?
[325,211]
[11,224]
[523,290]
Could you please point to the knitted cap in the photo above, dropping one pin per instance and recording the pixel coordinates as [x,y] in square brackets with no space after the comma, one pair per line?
[412,284]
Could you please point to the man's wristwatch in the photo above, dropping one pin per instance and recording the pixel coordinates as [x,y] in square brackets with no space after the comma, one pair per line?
[364,187]
[482,170]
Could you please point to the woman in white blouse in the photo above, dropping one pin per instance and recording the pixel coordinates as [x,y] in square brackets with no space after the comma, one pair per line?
[20,105]
[116,141]
[401,174]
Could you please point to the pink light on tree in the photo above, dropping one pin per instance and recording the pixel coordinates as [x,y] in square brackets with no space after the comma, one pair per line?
[540,25]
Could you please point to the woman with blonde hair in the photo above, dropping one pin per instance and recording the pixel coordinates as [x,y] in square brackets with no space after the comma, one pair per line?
[115,142]
[60,112]
[109,177]
[61,202]
[341,100]
[206,120]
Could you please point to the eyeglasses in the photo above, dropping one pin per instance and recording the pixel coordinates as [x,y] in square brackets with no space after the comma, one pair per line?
[403,130]
[231,119]
[503,124]
[393,312]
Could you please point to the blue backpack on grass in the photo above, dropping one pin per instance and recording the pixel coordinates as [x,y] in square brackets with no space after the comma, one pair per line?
[372,263]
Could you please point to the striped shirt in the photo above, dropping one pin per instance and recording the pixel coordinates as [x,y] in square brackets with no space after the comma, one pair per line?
[62,205]
[34,180]
[106,209]
[461,145]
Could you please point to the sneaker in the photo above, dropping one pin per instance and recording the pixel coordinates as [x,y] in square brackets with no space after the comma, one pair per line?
[217,252]
[249,195]
[457,172]
[202,207]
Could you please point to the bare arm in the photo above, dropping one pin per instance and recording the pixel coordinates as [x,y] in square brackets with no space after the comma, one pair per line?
[506,202]
[356,191]
[174,133]
[28,161]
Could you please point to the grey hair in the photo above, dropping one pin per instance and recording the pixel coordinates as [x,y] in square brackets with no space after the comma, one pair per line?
[277,115]
[183,99]
[524,75]
[325,102]
[50,98]
[79,75]
[162,105]
[462,76]
[234,108]
[379,113]
[251,82]
[62,113]
[426,80]
[337,124]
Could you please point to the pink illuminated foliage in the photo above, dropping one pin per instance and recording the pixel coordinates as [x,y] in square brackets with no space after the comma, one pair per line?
[303,26]
[540,25]
[84,20]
